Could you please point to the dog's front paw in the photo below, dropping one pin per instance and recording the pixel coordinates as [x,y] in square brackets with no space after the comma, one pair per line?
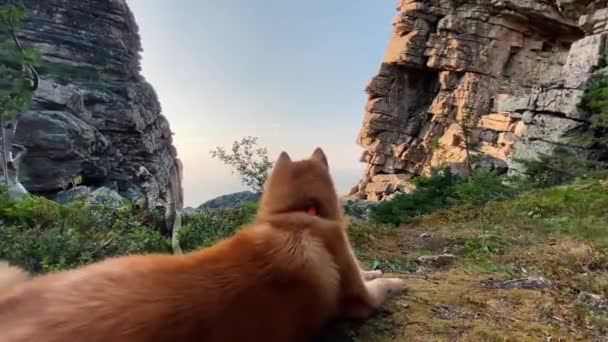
[371,275]
[394,286]
[382,289]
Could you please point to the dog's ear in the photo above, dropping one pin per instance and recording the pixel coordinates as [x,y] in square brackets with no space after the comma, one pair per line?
[319,156]
[283,160]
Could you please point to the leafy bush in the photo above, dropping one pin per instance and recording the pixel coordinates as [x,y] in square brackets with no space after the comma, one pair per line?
[42,236]
[480,247]
[394,264]
[483,187]
[432,192]
[354,210]
[204,228]
[444,189]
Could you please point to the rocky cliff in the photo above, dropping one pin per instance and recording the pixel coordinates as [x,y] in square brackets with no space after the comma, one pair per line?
[95,119]
[485,82]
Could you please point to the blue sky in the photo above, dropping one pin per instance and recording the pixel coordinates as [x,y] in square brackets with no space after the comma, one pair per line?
[289,72]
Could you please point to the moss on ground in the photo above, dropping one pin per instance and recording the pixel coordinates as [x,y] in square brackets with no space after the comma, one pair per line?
[560,234]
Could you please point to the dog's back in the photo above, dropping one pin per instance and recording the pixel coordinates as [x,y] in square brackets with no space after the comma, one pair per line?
[262,284]
[11,276]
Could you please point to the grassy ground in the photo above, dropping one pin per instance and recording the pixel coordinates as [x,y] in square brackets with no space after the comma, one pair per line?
[559,234]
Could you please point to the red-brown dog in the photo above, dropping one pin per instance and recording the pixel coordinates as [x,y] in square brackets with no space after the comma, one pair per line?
[279,279]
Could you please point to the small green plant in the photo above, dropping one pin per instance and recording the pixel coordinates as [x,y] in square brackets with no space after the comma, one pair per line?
[436,144]
[394,265]
[481,247]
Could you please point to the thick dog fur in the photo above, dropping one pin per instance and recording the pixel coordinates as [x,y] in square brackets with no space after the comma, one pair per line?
[279,279]
[11,276]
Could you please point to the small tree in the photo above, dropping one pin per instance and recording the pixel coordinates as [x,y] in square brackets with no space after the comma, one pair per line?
[18,81]
[247,160]
[467,123]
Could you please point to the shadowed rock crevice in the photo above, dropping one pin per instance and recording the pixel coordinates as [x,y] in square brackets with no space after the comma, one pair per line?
[397,112]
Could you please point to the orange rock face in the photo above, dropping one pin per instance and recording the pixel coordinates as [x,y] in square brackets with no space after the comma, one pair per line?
[503,80]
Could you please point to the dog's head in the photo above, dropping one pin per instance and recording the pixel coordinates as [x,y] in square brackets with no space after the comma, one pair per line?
[304,186]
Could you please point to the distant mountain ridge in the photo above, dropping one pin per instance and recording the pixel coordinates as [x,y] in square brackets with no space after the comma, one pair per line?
[230,201]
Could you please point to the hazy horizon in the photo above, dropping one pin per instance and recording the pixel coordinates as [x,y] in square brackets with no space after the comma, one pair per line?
[292,74]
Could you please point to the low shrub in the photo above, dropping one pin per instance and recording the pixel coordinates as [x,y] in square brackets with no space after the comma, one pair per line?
[432,192]
[204,228]
[483,187]
[443,189]
[41,235]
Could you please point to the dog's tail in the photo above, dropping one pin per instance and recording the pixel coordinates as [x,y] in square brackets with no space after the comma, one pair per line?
[10,276]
